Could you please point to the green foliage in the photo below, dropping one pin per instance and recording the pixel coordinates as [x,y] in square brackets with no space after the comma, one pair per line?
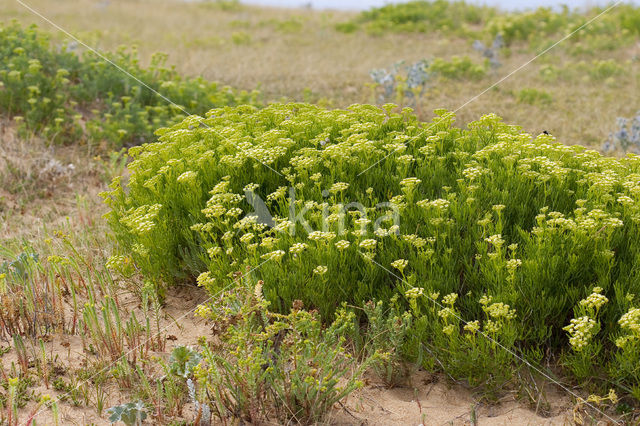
[459,68]
[524,26]
[183,360]
[67,97]
[387,333]
[240,37]
[603,69]
[538,28]
[533,96]
[223,5]
[595,70]
[477,350]
[423,16]
[268,363]
[485,211]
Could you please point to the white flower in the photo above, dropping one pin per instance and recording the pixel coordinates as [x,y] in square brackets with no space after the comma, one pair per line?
[298,247]
[343,244]
[320,270]
[338,187]
[274,255]
[368,244]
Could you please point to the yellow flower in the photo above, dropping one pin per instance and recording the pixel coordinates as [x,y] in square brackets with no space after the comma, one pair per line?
[414,293]
[400,264]
[472,327]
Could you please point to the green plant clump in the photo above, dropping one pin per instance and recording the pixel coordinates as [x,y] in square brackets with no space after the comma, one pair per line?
[268,364]
[532,96]
[67,97]
[361,204]
[538,28]
[420,16]
[459,68]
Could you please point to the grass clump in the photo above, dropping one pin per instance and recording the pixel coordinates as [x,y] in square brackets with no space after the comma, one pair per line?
[66,97]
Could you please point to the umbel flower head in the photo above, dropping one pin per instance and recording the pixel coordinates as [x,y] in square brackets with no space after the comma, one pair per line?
[400,264]
[595,300]
[580,331]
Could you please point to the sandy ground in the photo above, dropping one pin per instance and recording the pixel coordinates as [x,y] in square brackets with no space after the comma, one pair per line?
[427,399]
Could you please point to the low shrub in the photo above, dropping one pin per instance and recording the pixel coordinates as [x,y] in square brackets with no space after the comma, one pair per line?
[68,97]
[325,204]
[459,68]
[421,16]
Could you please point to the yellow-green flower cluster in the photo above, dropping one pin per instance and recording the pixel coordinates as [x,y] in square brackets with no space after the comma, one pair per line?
[206,280]
[595,300]
[274,255]
[400,264]
[298,247]
[414,293]
[581,331]
[141,220]
[320,270]
[629,322]
[500,311]
[342,244]
[368,244]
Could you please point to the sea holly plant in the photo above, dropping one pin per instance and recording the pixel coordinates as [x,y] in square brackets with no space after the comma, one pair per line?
[131,413]
[627,137]
[492,52]
[402,81]
[183,360]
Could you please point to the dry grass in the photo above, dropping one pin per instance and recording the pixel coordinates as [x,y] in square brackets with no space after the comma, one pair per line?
[45,189]
[285,52]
